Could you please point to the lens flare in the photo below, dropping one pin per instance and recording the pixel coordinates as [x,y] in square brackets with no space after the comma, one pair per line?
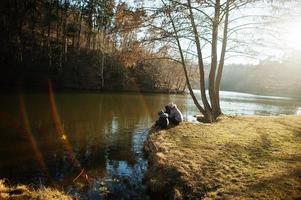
[26,130]
[61,133]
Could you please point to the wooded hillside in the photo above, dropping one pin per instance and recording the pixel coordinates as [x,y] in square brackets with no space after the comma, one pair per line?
[86,44]
[271,78]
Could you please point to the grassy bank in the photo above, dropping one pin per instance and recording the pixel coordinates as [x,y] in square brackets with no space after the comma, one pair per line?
[237,158]
[22,192]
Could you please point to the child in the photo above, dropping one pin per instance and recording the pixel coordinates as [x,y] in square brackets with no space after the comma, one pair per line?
[163,121]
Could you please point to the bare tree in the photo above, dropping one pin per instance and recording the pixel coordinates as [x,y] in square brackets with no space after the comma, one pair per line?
[202,23]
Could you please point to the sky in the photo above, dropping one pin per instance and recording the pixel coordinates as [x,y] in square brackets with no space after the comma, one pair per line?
[275,36]
[279,35]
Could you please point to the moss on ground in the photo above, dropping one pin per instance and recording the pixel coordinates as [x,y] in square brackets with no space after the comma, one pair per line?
[22,192]
[250,157]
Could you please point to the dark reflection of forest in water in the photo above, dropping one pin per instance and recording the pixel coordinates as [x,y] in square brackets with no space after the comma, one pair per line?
[99,127]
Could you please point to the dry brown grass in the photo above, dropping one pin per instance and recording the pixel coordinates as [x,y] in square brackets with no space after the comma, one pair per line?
[21,192]
[237,158]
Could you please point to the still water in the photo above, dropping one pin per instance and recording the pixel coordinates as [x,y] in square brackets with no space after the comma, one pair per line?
[49,139]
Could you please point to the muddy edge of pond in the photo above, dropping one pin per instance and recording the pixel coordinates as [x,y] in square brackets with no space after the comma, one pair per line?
[159,179]
[241,157]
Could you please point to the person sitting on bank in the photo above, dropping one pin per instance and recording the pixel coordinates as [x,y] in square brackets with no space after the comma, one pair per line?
[167,109]
[163,121]
[175,116]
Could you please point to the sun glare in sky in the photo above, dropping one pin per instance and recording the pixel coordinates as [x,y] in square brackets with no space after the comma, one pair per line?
[292,35]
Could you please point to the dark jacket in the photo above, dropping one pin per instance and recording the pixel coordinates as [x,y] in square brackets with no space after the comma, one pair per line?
[167,110]
[163,121]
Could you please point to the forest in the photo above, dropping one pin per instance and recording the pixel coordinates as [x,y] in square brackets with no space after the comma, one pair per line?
[80,44]
[98,45]
[266,78]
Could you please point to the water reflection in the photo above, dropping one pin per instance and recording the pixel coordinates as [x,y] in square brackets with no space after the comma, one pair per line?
[236,103]
[105,132]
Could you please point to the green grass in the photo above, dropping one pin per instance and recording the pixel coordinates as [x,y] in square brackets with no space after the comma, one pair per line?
[236,158]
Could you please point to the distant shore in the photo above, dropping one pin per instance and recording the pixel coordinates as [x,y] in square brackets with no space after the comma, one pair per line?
[263,93]
[241,157]
[43,88]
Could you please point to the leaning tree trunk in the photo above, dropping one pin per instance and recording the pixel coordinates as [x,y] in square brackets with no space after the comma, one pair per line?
[208,111]
[200,108]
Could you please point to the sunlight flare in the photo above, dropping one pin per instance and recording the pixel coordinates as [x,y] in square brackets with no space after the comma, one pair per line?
[61,132]
[26,130]
[292,35]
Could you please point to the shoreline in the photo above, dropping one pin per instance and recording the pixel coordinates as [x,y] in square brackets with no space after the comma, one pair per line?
[240,157]
[14,88]
[8,90]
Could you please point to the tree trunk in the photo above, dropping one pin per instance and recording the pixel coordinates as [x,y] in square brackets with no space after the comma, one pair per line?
[48,41]
[184,87]
[208,111]
[222,59]
[33,33]
[20,32]
[58,22]
[103,37]
[169,80]
[79,29]
[212,73]
[65,38]
[178,84]
[102,70]
[200,108]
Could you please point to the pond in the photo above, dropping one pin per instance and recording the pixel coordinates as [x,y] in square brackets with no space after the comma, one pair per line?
[50,138]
